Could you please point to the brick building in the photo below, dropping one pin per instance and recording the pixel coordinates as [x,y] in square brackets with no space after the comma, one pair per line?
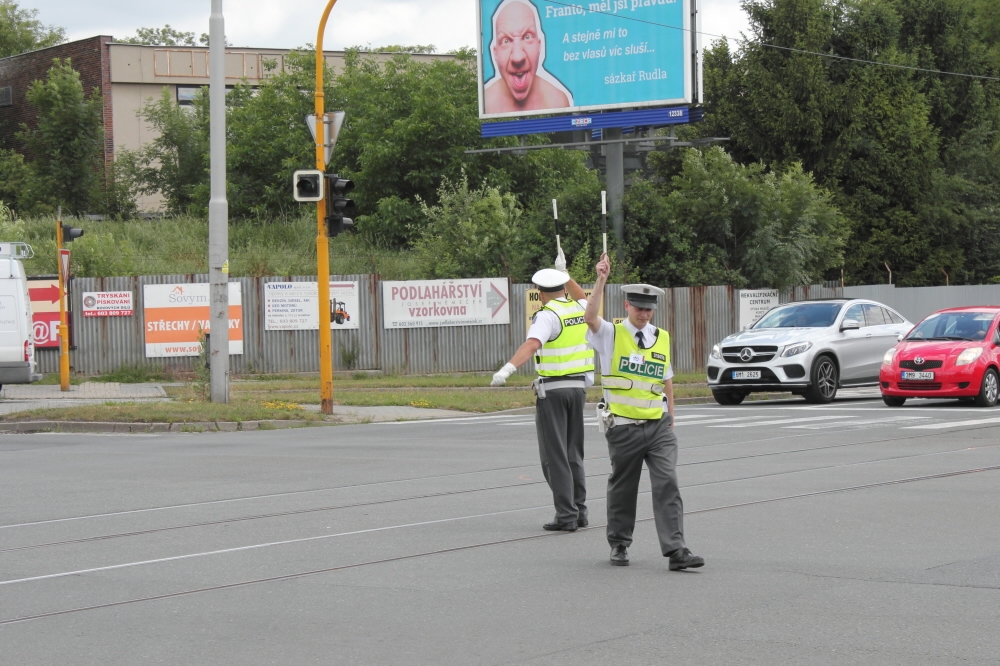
[127,76]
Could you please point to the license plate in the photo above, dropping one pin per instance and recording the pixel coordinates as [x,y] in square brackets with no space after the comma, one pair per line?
[918,375]
[746,374]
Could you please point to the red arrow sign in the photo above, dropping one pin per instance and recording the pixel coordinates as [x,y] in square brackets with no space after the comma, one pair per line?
[499,294]
[41,294]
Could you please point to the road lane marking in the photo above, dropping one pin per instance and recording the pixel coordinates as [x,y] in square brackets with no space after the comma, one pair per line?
[892,420]
[953,424]
[778,422]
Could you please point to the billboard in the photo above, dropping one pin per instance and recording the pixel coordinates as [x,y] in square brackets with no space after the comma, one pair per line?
[176,315]
[541,56]
[44,296]
[432,303]
[294,306]
[107,304]
[754,303]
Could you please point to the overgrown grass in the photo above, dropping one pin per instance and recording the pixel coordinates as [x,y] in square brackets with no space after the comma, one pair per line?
[257,247]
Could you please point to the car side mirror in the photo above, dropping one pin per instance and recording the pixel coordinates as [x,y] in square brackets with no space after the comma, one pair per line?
[850,325]
[899,337]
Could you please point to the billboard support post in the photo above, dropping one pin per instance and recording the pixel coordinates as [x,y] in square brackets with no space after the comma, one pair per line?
[615,179]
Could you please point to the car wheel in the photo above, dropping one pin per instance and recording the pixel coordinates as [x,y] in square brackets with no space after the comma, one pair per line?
[990,390]
[893,402]
[823,388]
[728,398]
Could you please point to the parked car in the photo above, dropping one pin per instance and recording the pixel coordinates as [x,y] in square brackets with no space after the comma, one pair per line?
[953,353]
[17,341]
[811,348]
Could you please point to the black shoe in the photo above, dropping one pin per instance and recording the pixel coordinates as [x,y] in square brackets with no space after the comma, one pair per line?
[683,559]
[559,527]
[582,522]
[619,556]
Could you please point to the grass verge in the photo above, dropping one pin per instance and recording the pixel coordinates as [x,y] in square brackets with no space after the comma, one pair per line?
[169,412]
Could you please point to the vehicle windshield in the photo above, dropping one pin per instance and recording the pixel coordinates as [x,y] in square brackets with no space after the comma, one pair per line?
[953,326]
[801,315]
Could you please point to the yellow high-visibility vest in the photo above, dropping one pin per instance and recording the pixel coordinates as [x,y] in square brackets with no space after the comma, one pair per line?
[569,353]
[634,389]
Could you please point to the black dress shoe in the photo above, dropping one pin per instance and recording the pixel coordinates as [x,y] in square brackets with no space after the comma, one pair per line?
[619,556]
[582,522]
[683,559]
[559,527]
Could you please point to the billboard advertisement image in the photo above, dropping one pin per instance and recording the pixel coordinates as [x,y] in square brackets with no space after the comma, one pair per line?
[176,315]
[433,303]
[537,56]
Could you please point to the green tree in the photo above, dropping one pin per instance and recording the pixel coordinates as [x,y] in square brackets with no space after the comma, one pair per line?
[67,145]
[470,233]
[21,31]
[882,139]
[165,36]
[175,163]
[718,222]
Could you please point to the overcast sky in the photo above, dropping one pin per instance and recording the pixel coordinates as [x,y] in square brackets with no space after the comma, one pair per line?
[448,24]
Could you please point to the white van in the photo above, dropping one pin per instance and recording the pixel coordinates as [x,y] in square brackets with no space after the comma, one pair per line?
[17,341]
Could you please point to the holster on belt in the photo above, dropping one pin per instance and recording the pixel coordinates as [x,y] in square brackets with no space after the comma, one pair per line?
[538,386]
[605,419]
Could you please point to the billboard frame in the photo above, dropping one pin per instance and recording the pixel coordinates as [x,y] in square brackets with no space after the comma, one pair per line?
[691,59]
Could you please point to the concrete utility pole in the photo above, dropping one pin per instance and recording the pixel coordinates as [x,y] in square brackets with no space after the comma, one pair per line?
[218,211]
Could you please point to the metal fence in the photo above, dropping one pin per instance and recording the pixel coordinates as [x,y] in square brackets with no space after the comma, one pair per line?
[915,303]
[697,318]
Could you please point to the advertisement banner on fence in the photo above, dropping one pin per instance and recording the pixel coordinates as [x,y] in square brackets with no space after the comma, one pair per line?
[433,303]
[294,306]
[754,303]
[107,304]
[44,297]
[176,314]
[532,303]
[541,56]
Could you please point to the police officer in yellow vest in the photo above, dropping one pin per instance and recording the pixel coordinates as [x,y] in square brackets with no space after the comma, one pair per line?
[637,416]
[565,365]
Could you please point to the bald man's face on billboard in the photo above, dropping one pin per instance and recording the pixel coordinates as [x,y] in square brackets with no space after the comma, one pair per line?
[516,48]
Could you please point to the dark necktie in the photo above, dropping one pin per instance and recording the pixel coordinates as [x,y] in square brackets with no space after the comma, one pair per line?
[639,340]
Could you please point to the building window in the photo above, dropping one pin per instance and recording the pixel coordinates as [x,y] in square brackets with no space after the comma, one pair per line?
[186,95]
[6,96]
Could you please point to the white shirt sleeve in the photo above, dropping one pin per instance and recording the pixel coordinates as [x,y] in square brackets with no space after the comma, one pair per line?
[669,373]
[603,342]
[545,327]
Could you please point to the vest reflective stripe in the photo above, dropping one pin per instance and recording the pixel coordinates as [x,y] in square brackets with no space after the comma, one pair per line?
[614,399]
[619,382]
[629,389]
[559,352]
[569,353]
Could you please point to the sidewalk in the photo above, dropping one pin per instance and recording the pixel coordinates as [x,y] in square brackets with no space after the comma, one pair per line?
[19,397]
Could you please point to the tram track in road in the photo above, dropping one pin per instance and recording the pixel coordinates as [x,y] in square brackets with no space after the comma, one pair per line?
[466,547]
[298,512]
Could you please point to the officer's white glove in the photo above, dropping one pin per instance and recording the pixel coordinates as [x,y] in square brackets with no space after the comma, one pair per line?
[560,261]
[500,378]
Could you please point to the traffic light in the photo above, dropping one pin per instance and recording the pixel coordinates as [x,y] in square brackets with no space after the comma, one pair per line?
[338,205]
[70,233]
[307,185]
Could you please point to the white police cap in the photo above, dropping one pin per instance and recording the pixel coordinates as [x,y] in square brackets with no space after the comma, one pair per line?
[642,295]
[549,279]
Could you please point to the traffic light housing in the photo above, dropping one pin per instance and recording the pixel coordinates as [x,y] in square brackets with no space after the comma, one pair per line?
[307,185]
[70,233]
[338,206]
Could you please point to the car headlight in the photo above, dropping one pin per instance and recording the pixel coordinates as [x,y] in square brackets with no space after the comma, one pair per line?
[798,348]
[716,352]
[889,355]
[969,355]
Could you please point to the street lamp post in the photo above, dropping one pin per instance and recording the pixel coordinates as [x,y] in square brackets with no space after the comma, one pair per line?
[218,211]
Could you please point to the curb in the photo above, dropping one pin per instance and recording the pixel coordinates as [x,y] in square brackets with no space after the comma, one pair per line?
[111,426]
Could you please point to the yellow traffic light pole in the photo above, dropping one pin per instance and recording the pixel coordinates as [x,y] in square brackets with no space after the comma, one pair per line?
[322,243]
[63,327]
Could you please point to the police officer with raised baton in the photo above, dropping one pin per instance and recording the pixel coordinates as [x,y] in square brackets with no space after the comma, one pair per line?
[565,365]
[636,415]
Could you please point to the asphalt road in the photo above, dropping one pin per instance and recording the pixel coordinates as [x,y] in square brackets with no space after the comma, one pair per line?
[850,533]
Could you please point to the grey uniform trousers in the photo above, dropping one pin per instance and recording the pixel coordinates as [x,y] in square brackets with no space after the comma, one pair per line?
[559,424]
[629,445]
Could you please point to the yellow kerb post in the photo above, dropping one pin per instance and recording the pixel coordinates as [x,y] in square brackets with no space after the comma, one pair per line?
[322,242]
[63,327]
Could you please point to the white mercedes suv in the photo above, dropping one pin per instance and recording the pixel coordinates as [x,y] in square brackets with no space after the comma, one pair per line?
[810,348]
